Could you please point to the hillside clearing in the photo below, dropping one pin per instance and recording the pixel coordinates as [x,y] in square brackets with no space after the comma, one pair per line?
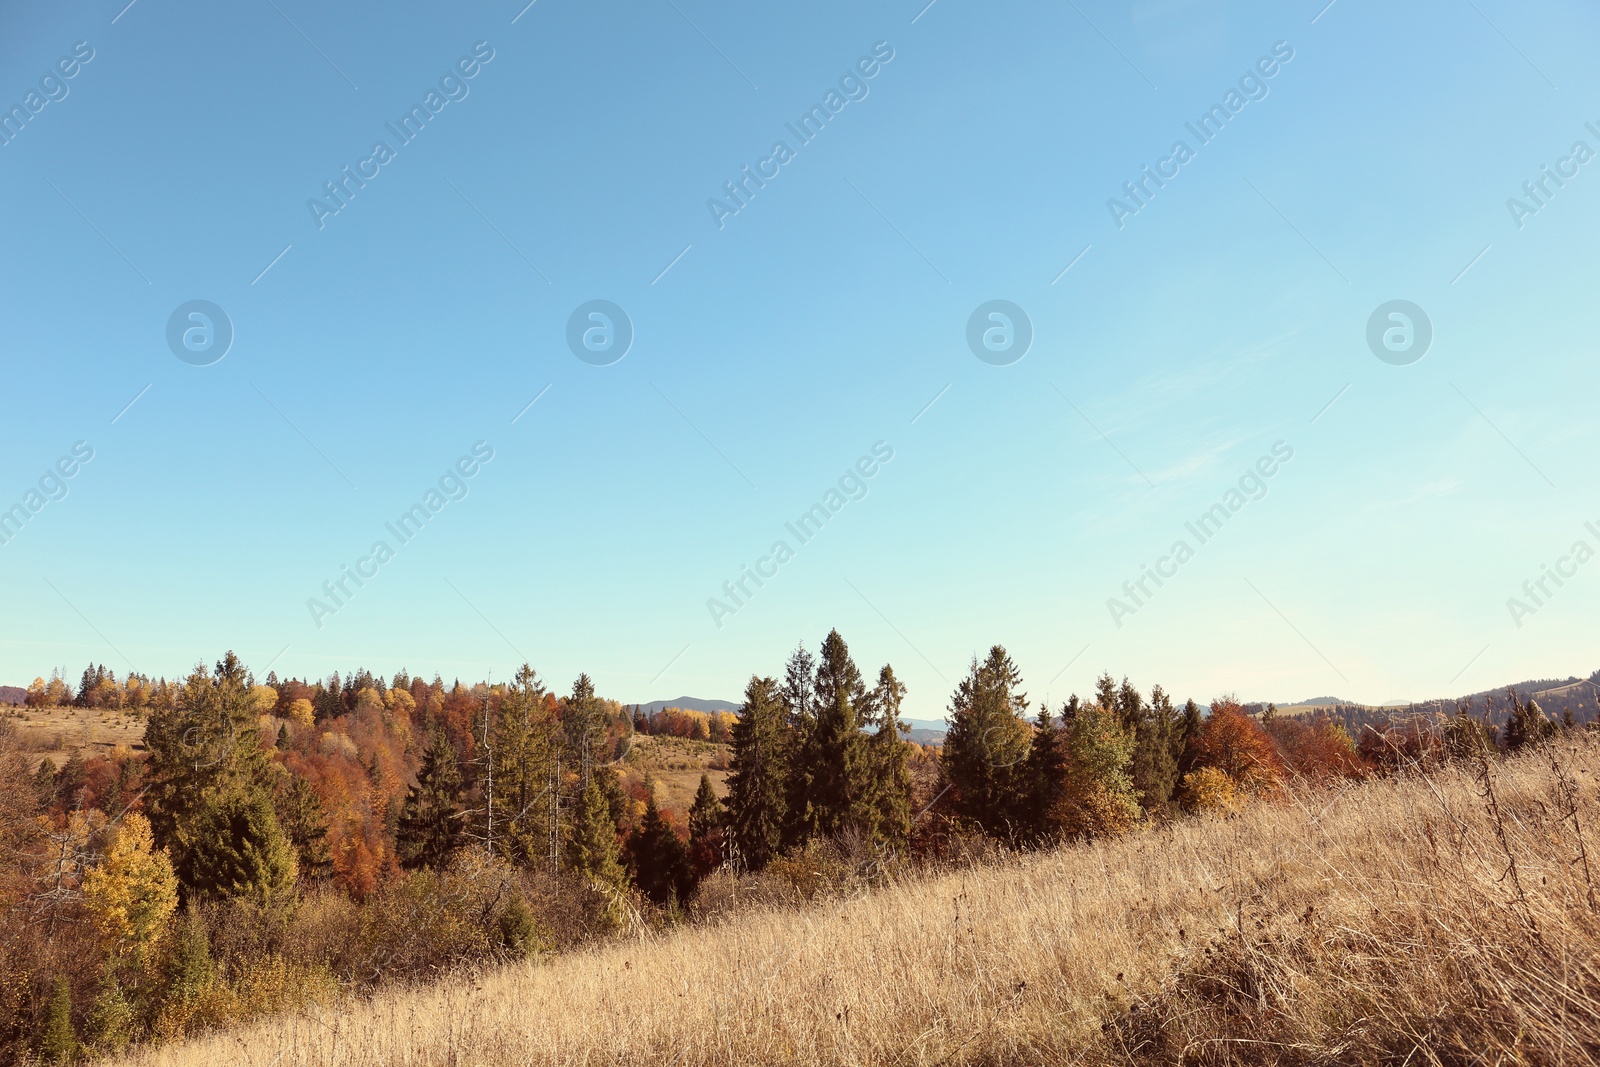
[1384,922]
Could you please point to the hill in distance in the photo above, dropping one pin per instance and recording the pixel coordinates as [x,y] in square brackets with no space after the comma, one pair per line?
[690,704]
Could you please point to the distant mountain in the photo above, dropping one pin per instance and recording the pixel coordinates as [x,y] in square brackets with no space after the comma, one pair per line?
[1316,701]
[690,704]
[10,694]
[926,731]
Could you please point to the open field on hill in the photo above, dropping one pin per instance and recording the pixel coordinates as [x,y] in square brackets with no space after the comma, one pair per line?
[55,733]
[675,764]
[1446,918]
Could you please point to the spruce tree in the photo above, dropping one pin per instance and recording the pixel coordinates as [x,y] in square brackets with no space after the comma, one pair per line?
[237,849]
[657,859]
[1155,769]
[58,1042]
[430,825]
[836,755]
[592,843]
[757,796]
[888,776]
[986,741]
[522,749]
[799,697]
[1042,785]
[302,817]
[1186,729]
[706,819]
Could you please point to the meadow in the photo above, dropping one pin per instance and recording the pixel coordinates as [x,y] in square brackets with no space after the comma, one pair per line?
[1446,916]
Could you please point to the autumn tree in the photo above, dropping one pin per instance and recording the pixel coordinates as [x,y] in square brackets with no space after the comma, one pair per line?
[987,740]
[756,788]
[133,891]
[1099,795]
[1232,742]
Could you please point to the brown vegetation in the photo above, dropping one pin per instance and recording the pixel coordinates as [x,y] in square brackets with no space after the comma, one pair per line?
[1441,918]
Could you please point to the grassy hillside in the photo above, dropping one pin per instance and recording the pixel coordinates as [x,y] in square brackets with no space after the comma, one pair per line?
[55,733]
[1420,920]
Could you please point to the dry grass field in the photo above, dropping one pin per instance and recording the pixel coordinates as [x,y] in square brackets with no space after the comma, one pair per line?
[675,765]
[1428,920]
[55,733]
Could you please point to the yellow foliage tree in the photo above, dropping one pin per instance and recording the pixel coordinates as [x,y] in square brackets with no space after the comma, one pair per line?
[301,713]
[263,698]
[133,891]
[1211,789]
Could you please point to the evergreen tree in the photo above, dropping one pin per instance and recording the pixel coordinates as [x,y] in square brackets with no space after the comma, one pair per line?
[283,738]
[58,1042]
[1043,782]
[799,697]
[1155,769]
[592,844]
[657,858]
[837,754]
[888,778]
[1100,796]
[205,757]
[1527,724]
[987,740]
[706,818]
[239,850]
[430,824]
[1183,735]
[585,728]
[756,788]
[522,750]
[303,819]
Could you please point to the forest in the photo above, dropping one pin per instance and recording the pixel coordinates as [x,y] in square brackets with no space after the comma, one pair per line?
[277,844]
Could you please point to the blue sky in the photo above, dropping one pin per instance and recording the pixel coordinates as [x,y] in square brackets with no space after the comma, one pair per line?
[771,353]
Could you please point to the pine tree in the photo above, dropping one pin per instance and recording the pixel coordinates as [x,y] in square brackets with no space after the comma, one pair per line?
[1527,724]
[1100,796]
[430,824]
[592,845]
[756,788]
[836,755]
[657,858]
[987,740]
[1184,732]
[706,819]
[888,777]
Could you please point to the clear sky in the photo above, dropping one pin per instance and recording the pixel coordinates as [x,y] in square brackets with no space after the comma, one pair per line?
[1201,325]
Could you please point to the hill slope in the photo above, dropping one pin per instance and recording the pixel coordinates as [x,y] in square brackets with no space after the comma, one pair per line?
[1381,923]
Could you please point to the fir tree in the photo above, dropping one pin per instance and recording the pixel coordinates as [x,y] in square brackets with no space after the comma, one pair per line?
[836,756]
[1183,735]
[522,749]
[237,849]
[888,777]
[58,1041]
[592,844]
[430,823]
[657,859]
[799,697]
[302,817]
[1042,785]
[987,740]
[706,818]
[756,788]
[1155,769]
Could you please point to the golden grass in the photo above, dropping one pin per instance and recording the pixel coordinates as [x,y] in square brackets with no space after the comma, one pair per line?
[55,733]
[1380,923]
